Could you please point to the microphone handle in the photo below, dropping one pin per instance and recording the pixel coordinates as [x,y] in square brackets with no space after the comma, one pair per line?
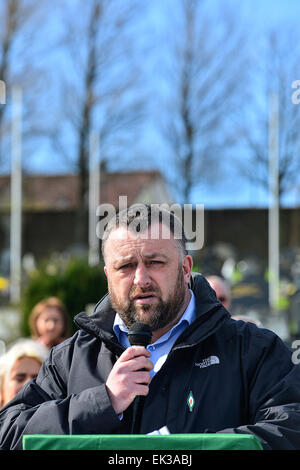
[137,410]
[139,335]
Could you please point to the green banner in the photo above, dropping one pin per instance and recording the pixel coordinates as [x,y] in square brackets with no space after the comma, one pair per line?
[142,442]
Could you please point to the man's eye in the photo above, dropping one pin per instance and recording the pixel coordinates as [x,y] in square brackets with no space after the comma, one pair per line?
[125,266]
[19,378]
[156,262]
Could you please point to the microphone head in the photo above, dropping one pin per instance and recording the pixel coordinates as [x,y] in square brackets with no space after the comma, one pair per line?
[140,334]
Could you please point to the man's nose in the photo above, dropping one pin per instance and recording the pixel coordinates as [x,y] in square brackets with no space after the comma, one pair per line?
[141,277]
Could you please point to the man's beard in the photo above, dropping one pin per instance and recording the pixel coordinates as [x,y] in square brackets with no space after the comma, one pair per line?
[156,316]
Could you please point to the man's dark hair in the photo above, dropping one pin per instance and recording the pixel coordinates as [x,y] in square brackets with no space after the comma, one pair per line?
[140,217]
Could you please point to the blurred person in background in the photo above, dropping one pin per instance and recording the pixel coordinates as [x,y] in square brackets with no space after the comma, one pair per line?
[221,289]
[223,293]
[18,365]
[49,322]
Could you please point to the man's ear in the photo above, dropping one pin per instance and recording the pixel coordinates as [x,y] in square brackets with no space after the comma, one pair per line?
[105,270]
[187,267]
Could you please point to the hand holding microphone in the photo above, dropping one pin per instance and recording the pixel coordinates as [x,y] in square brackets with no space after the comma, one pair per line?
[130,375]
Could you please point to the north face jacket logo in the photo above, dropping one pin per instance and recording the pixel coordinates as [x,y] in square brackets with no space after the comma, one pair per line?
[208,361]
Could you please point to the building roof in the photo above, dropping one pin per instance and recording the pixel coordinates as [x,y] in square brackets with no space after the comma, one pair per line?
[60,192]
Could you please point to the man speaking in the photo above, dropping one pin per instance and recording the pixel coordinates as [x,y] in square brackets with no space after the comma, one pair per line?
[201,372]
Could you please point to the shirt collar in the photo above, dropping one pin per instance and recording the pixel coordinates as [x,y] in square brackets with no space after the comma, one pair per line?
[188,317]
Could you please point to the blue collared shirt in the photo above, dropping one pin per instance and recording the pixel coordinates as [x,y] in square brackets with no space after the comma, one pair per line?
[161,348]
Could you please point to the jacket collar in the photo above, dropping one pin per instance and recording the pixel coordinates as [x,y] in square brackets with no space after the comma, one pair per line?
[209,315]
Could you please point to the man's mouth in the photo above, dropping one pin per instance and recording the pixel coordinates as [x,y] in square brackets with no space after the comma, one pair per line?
[144,298]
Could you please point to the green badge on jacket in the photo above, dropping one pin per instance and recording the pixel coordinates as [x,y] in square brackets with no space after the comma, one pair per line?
[191,401]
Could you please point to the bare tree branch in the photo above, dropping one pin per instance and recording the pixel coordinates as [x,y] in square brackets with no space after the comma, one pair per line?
[102,93]
[206,82]
[279,67]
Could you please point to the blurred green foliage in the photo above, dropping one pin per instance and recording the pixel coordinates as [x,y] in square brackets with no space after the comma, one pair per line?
[75,283]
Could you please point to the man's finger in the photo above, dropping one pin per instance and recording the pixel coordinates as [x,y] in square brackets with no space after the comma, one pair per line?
[132,352]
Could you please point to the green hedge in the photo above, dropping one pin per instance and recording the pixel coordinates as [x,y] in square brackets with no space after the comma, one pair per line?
[76,284]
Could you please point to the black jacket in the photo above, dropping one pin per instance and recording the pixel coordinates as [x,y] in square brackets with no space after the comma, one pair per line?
[240,379]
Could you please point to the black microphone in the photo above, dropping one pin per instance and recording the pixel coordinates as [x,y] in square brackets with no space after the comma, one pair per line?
[139,334]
